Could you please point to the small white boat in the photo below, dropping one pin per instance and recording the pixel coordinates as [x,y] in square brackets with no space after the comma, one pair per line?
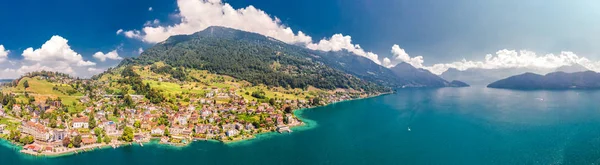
[408,129]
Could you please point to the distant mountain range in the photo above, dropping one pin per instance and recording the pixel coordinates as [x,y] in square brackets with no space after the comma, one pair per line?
[483,77]
[555,80]
[5,80]
[414,77]
[572,68]
[264,60]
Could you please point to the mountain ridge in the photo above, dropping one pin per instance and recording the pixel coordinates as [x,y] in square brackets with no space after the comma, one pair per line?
[262,59]
[554,80]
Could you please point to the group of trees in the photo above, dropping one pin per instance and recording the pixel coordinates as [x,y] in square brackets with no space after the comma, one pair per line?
[7,100]
[177,73]
[127,135]
[133,79]
[101,136]
[259,94]
[163,120]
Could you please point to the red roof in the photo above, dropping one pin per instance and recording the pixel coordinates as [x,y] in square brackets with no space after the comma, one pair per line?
[80,119]
[88,140]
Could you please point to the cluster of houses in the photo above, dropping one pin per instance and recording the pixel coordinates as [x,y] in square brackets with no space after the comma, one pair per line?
[201,118]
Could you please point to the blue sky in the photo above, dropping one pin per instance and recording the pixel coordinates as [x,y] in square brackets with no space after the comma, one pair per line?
[431,34]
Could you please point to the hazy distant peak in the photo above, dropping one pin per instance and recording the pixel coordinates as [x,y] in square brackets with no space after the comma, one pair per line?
[572,68]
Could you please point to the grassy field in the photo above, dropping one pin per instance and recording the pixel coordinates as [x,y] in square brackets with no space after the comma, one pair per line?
[10,124]
[199,83]
[42,90]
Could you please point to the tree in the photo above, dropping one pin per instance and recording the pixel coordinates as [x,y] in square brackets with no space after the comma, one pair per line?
[107,139]
[167,132]
[92,122]
[288,109]
[128,101]
[316,101]
[26,140]
[98,131]
[66,141]
[77,141]
[15,135]
[116,112]
[163,120]
[272,101]
[127,135]
[98,139]
[26,84]
[137,124]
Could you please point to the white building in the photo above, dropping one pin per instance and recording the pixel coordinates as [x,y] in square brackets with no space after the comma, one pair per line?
[81,122]
[158,130]
[38,131]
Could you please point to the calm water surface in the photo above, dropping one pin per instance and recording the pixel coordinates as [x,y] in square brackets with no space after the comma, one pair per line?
[448,126]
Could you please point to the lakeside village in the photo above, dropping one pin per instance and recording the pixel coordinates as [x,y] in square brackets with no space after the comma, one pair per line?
[49,128]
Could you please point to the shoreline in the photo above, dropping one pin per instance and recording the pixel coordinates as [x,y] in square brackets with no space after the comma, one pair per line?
[305,124]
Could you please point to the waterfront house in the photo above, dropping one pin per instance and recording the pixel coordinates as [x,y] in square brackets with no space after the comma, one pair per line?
[176,130]
[80,122]
[59,134]
[201,128]
[88,140]
[38,131]
[249,126]
[232,132]
[111,128]
[160,130]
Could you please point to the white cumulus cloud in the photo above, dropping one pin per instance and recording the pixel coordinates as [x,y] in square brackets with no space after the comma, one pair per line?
[113,55]
[340,42]
[197,15]
[119,31]
[152,23]
[55,50]
[54,55]
[519,59]
[3,53]
[400,55]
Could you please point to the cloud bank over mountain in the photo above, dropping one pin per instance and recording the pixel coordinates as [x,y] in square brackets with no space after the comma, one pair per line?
[519,59]
[197,15]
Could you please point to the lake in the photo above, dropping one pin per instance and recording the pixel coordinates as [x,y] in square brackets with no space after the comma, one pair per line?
[447,126]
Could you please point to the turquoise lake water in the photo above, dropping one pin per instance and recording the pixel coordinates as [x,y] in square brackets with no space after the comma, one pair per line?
[448,126]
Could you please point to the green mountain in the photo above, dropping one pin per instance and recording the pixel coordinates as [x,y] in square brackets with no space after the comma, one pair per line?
[415,77]
[252,57]
[264,60]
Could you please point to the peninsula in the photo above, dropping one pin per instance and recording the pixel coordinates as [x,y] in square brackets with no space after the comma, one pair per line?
[218,84]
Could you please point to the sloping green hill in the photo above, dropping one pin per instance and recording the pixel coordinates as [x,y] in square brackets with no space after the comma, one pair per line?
[251,57]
